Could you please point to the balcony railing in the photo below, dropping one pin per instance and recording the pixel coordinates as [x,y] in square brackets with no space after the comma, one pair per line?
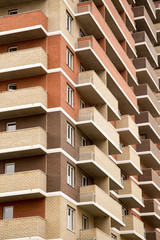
[23,228]
[93,233]
[23,63]
[26,101]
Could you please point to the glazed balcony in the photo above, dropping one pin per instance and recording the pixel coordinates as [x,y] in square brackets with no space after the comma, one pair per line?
[89,48]
[134,228]
[95,126]
[129,161]
[152,236]
[97,164]
[128,130]
[21,30]
[145,48]
[149,154]
[22,228]
[93,233]
[148,125]
[31,184]
[150,183]
[150,7]
[144,23]
[146,73]
[95,92]
[147,100]
[91,199]
[23,102]
[97,26]
[131,195]
[23,63]
[150,213]
[22,143]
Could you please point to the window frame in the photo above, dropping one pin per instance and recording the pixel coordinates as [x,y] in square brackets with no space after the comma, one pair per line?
[7,164]
[83,140]
[70,218]
[82,102]
[14,47]
[69,22]
[86,179]
[5,207]
[11,84]
[70,175]
[11,12]
[10,123]
[87,221]
[70,134]
[69,58]
[70,95]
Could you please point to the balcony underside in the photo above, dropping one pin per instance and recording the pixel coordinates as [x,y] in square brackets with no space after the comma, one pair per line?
[152,220]
[150,189]
[130,201]
[131,235]
[128,167]
[149,160]
[128,136]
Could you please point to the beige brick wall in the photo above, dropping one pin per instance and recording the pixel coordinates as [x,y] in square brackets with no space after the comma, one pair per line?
[23,96]
[23,57]
[93,233]
[24,137]
[22,181]
[22,227]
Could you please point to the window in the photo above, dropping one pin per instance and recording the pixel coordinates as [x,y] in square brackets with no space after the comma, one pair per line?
[81,33]
[69,22]
[70,135]
[11,127]
[69,95]
[13,12]
[84,222]
[8,212]
[12,49]
[9,168]
[69,59]
[124,212]
[83,142]
[113,236]
[70,218]
[70,175]
[121,145]
[82,69]
[12,86]
[82,104]
[84,181]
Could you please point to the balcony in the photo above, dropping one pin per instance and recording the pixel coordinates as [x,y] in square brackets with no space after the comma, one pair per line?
[151,212]
[97,26]
[22,143]
[95,126]
[144,23]
[134,228]
[97,164]
[91,199]
[148,126]
[23,63]
[93,233]
[23,102]
[146,74]
[128,130]
[147,100]
[131,195]
[152,236]
[88,48]
[157,48]
[157,26]
[150,183]
[129,161]
[149,154]
[31,184]
[21,30]
[96,92]
[29,227]
[145,48]
[150,7]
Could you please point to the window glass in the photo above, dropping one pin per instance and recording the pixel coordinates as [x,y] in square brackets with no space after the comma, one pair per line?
[69,95]
[9,168]
[69,22]
[70,135]
[69,59]
[84,142]
[84,222]
[11,127]
[70,175]
[82,104]
[70,218]
[84,181]
[8,212]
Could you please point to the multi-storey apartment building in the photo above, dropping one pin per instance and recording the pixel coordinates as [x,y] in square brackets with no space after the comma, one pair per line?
[79,119]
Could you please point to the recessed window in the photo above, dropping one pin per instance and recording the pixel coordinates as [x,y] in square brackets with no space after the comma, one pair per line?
[70,175]
[124,212]
[69,95]
[12,49]
[70,218]
[81,33]
[82,69]
[84,222]
[84,181]
[13,12]
[8,212]
[11,127]
[83,142]
[9,168]
[12,87]
[113,236]
[69,22]
[69,59]
[70,134]
[82,104]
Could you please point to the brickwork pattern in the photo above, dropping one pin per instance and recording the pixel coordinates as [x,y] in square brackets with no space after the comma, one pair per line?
[93,233]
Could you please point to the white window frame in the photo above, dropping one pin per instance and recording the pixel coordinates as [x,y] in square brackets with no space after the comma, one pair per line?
[4,213]
[86,219]
[70,95]
[70,218]
[9,164]
[69,22]
[85,180]
[10,123]
[81,33]
[11,48]
[70,134]
[69,58]
[70,175]
[83,140]
[82,69]
[12,12]
[82,103]
[11,84]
